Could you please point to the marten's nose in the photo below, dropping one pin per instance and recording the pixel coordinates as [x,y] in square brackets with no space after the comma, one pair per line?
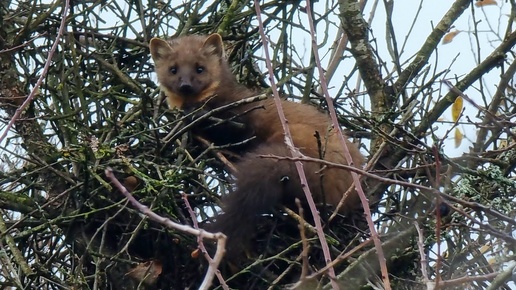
[186,88]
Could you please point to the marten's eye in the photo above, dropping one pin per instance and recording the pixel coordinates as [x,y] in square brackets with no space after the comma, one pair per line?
[199,69]
[173,70]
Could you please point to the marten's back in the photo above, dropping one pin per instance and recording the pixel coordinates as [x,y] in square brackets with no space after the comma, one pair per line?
[268,127]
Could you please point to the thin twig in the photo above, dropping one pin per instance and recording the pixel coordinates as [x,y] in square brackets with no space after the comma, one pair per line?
[421,247]
[469,204]
[438,201]
[304,253]
[26,43]
[207,115]
[490,116]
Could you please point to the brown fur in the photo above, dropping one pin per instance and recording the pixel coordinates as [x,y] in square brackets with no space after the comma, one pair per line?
[261,183]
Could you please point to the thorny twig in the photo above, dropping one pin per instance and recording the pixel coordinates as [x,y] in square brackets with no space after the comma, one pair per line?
[294,151]
[219,237]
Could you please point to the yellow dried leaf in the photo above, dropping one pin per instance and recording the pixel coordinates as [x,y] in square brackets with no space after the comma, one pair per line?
[457,108]
[449,36]
[502,144]
[481,3]
[446,254]
[484,248]
[458,137]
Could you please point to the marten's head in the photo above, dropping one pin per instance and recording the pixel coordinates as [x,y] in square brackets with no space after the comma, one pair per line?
[189,68]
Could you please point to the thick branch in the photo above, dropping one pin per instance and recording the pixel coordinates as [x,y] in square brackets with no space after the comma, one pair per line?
[431,43]
[356,29]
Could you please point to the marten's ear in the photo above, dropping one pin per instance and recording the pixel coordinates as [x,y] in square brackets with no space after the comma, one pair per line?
[214,43]
[159,48]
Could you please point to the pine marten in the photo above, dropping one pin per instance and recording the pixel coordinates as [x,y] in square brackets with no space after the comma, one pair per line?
[193,73]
